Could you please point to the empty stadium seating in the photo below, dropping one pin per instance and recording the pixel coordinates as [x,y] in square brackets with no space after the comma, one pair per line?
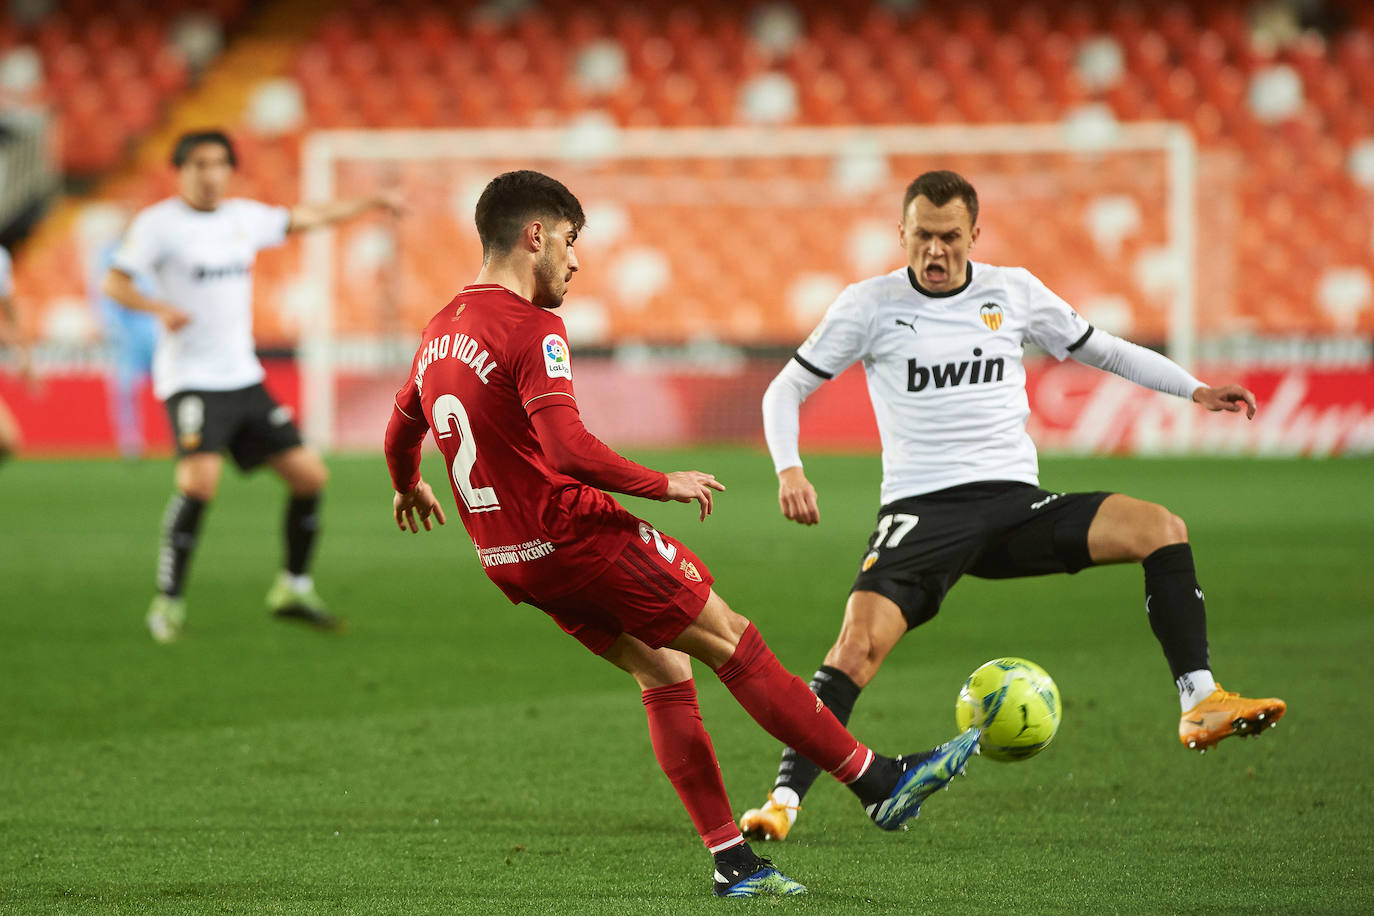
[1275,121]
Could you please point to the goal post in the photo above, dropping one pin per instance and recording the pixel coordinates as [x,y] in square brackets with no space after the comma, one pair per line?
[706,167]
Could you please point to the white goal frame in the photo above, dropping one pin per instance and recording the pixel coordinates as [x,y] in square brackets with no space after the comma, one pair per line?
[322,150]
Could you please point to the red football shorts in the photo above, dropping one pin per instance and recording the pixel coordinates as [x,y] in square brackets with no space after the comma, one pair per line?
[652,590]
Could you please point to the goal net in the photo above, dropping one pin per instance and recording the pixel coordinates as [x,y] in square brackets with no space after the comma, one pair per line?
[706,245]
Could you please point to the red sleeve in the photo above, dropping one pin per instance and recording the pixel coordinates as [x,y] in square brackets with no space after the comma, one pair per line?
[542,362]
[404,436]
[577,453]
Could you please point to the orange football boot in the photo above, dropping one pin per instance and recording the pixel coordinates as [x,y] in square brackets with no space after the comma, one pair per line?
[1224,714]
[771,822]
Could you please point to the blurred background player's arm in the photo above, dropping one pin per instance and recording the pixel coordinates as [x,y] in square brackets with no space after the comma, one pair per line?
[314,216]
[120,287]
[10,333]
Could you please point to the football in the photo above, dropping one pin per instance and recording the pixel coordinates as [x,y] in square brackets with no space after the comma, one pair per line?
[1016,704]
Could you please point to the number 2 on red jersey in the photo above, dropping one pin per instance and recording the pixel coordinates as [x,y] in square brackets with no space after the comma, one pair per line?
[449,413]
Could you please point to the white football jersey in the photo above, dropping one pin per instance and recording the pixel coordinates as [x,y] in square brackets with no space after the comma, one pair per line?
[945,371]
[202,263]
[6,280]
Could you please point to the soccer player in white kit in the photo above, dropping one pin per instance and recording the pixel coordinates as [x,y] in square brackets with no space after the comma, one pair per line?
[941,343]
[199,248]
[9,337]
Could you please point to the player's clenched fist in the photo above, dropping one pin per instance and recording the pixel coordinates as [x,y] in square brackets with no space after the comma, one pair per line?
[797,497]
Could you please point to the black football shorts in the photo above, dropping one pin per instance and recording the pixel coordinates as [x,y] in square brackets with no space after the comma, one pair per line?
[993,530]
[246,421]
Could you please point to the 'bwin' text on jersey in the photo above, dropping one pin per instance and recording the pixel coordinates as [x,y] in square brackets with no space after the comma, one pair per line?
[950,399]
[461,347]
[952,374]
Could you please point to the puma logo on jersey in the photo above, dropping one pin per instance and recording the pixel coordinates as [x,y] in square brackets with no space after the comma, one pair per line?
[908,324]
[952,375]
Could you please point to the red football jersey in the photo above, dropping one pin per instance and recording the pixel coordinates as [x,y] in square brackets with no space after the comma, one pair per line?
[486,363]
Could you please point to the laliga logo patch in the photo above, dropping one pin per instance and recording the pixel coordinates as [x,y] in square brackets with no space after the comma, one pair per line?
[869,561]
[556,362]
[690,569]
[991,313]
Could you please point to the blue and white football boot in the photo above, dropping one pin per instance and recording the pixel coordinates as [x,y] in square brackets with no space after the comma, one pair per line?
[765,881]
[922,775]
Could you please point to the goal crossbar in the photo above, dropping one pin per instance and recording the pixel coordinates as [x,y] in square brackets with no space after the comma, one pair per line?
[323,150]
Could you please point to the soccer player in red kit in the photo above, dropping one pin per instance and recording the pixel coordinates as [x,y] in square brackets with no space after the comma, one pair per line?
[493,379]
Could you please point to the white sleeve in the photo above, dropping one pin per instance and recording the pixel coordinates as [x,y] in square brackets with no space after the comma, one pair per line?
[841,338]
[1054,326]
[6,276]
[1137,364]
[266,224]
[782,412]
[141,250]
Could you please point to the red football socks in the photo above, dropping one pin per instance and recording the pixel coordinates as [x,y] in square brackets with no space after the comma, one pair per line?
[788,710]
[685,753]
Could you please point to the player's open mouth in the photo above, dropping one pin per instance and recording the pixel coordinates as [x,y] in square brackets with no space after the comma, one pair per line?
[935,273]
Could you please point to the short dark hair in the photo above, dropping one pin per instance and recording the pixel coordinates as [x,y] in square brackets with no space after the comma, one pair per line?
[940,187]
[512,199]
[189,141]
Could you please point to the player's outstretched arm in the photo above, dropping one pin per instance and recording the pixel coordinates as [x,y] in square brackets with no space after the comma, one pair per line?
[687,486]
[120,287]
[796,497]
[327,213]
[1232,398]
[574,451]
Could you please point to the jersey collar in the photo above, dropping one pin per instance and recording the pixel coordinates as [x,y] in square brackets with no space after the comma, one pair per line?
[493,288]
[968,278]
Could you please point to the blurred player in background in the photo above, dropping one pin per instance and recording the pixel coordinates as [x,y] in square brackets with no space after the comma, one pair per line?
[10,336]
[941,340]
[132,336]
[493,379]
[198,248]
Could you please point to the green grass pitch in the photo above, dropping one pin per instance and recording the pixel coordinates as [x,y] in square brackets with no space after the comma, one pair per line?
[453,753]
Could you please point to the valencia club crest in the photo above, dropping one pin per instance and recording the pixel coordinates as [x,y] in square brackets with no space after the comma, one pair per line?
[991,313]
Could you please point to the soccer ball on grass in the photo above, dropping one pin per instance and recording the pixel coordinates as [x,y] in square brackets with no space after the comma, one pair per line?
[1015,703]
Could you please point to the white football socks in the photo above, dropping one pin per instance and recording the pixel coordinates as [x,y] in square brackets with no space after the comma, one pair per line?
[1194,687]
[301,584]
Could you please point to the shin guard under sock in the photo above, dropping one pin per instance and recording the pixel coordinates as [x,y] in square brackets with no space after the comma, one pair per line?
[685,753]
[1174,603]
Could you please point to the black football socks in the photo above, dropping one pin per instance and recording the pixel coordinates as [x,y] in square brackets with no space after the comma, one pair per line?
[180,525]
[301,528]
[1173,601]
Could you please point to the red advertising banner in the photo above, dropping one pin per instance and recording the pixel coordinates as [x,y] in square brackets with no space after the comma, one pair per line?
[1311,411]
